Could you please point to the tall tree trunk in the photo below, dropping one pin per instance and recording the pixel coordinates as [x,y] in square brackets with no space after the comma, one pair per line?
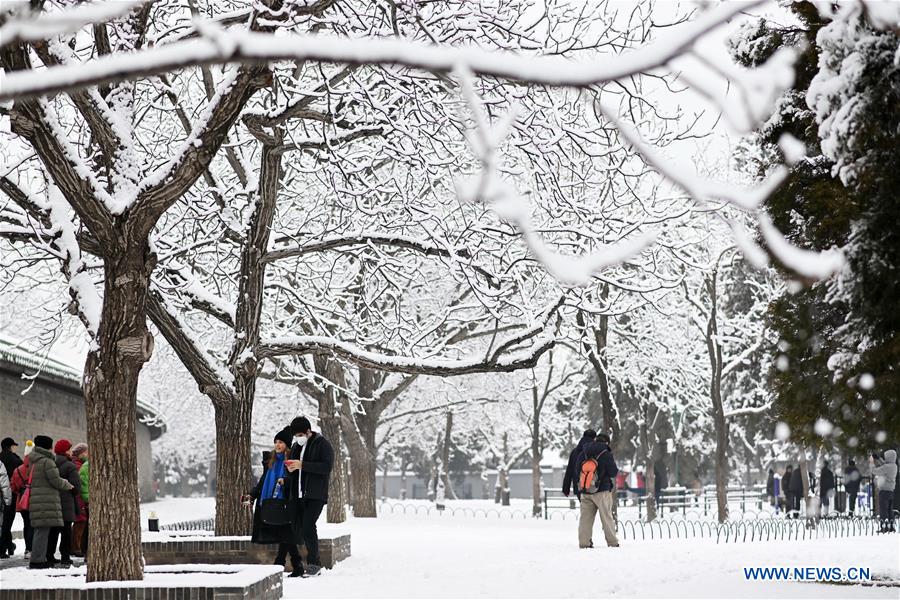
[364,468]
[714,349]
[445,458]
[536,460]
[233,473]
[330,423]
[647,455]
[111,374]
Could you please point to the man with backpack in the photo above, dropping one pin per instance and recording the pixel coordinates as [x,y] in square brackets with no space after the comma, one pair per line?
[596,483]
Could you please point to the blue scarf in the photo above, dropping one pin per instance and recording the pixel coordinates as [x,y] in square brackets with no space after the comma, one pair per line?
[272,476]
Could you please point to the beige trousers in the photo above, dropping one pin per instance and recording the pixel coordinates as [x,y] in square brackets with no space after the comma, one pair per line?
[590,504]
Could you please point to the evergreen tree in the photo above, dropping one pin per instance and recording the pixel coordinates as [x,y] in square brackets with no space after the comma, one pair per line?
[839,340]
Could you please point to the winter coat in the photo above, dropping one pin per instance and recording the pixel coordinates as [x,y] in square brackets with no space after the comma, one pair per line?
[18,481]
[660,479]
[11,461]
[268,534]
[5,490]
[45,508]
[570,476]
[69,472]
[317,462]
[84,473]
[851,480]
[826,481]
[886,473]
[606,464]
[797,483]
[786,482]
[80,502]
[770,485]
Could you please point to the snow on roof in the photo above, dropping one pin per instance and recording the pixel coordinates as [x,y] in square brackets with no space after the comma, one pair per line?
[46,366]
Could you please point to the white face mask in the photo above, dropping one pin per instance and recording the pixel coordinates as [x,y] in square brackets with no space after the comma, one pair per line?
[301,440]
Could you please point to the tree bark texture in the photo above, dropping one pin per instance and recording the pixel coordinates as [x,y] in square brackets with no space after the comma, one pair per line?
[110,390]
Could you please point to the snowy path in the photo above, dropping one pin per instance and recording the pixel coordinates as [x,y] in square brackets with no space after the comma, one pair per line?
[458,557]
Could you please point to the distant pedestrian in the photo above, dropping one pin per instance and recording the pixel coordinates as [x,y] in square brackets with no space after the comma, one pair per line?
[826,489]
[786,490]
[6,497]
[885,480]
[79,528]
[273,486]
[660,480]
[19,484]
[796,491]
[770,487]
[44,504]
[596,472]
[310,464]
[570,477]
[84,474]
[851,485]
[11,462]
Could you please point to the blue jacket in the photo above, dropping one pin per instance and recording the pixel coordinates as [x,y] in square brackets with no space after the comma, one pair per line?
[606,464]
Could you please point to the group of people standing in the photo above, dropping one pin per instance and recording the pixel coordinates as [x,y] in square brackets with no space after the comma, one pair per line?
[291,494]
[49,489]
[884,471]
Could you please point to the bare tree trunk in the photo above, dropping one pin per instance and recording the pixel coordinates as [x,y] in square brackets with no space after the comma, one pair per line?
[111,374]
[647,455]
[804,476]
[445,458]
[330,423]
[403,466]
[535,457]
[363,469]
[233,473]
[597,356]
[714,349]
[384,479]
[233,444]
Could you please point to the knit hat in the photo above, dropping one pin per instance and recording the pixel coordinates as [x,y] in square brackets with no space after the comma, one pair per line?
[62,446]
[29,446]
[42,441]
[284,435]
[79,449]
[8,443]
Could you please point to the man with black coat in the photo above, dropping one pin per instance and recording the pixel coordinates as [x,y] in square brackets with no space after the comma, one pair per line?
[603,498]
[826,488]
[570,476]
[851,485]
[796,492]
[309,465]
[11,461]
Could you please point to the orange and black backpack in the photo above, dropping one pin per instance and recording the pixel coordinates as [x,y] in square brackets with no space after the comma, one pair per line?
[589,478]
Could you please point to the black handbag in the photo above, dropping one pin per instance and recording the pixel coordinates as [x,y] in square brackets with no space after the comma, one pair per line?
[274,511]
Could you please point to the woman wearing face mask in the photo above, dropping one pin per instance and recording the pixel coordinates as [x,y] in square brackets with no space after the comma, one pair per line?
[273,486]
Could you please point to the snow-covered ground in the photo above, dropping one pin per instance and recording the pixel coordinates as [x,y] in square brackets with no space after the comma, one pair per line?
[457,557]
[401,556]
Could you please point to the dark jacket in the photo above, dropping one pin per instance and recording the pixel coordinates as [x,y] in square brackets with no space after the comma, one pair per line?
[69,472]
[851,480]
[44,505]
[317,462]
[660,478]
[10,460]
[826,481]
[770,485]
[570,477]
[797,483]
[262,533]
[606,464]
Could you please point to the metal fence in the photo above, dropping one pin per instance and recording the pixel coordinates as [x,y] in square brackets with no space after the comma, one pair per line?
[747,530]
